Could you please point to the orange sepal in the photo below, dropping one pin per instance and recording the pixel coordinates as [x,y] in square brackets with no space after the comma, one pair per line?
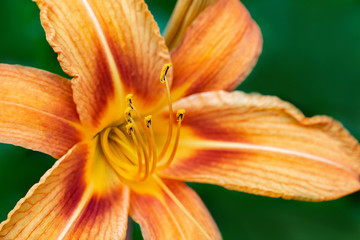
[63,205]
[37,110]
[169,209]
[262,145]
[218,51]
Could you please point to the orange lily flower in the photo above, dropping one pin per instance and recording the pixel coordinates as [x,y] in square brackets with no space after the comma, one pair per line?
[124,141]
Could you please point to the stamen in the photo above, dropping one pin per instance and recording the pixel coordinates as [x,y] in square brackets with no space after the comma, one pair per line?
[129,99]
[164,71]
[170,130]
[147,121]
[129,128]
[119,149]
[127,113]
[180,116]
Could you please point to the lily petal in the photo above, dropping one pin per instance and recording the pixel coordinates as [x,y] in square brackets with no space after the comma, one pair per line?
[111,48]
[37,110]
[218,51]
[262,145]
[185,12]
[63,206]
[168,209]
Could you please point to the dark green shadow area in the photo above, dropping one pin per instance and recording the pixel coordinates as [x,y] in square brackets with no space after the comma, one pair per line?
[19,170]
[311,58]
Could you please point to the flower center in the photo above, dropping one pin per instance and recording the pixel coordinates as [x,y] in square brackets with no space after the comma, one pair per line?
[130,148]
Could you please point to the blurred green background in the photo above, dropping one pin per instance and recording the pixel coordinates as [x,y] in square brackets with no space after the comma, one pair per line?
[311,58]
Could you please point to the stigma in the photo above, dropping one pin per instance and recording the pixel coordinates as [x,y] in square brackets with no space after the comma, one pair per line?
[130,147]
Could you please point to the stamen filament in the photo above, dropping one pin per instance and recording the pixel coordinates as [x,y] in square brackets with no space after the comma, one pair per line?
[130,130]
[140,162]
[180,117]
[111,158]
[118,137]
[170,130]
[146,156]
[121,149]
[147,136]
[122,155]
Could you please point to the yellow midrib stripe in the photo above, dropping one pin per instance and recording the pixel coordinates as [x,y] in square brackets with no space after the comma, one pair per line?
[111,61]
[84,200]
[212,144]
[181,206]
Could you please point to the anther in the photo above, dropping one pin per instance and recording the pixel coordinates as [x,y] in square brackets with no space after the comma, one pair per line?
[164,71]
[180,114]
[147,121]
[127,113]
[129,128]
[129,99]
